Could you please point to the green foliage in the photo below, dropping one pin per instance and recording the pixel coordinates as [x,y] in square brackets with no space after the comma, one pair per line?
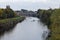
[7,13]
[52,19]
[12,19]
[39,12]
[2,14]
[55,25]
[44,16]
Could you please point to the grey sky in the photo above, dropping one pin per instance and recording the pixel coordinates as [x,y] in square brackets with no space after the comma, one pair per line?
[30,4]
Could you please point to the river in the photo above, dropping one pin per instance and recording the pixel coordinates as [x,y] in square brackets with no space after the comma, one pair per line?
[30,29]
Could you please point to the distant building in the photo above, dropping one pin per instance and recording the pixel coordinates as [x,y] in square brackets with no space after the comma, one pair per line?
[24,12]
[19,13]
[8,6]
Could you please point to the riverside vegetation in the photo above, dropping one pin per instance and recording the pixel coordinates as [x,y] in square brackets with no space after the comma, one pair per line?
[51,18]
[8,19]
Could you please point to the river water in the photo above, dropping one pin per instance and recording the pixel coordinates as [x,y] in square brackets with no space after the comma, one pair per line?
[30,29]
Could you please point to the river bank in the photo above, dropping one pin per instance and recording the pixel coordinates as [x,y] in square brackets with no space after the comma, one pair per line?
[51,18]
[44,16]
[8,24]
[27,30]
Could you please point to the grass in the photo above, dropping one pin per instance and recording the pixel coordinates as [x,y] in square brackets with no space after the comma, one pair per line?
[9,24]
[12,19]
[55,25]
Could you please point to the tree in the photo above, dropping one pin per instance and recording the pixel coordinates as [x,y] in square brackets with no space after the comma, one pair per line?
[9,12]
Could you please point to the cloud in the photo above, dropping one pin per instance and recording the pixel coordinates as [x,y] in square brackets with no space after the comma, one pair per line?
[30,4]
[35,0]
[23,0]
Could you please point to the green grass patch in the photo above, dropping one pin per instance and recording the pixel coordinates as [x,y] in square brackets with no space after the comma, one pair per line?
[11,19]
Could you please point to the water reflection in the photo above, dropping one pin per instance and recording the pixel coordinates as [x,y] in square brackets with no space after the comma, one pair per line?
[27,30]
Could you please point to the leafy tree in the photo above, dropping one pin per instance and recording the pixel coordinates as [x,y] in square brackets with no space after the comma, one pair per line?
[55,25]
[9,12]
[44,16]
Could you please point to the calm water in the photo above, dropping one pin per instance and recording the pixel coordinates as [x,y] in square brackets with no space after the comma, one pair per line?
[30,29]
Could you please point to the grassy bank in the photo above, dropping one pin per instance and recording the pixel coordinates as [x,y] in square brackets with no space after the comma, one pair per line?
[8,24]
[51,18]
[11,19]
[55,25]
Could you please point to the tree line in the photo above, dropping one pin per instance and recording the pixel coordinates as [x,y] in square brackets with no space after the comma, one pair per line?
[51,18]
[6,13]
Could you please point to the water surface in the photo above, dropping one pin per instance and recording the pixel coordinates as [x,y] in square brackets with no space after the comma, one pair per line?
[30,29]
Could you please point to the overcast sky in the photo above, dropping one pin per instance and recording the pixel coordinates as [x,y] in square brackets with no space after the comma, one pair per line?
[30,4]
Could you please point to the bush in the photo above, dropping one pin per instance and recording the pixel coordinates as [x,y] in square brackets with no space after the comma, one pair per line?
[7,13]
